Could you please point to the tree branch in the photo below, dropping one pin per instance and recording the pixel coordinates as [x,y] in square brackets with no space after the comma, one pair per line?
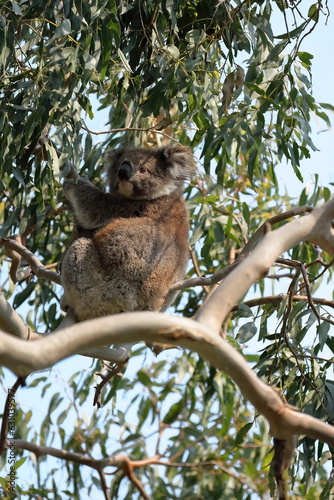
[128,467]
[5,418]
[118,460]
[132,129]
[315,227]
[257,236]
[186,333]
[10,321]
[36,266]
[201,335]
[276,299]
[111,372]
[97,464]
[105,488]
[205,281]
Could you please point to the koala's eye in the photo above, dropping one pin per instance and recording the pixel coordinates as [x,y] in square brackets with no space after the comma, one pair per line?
[142,170]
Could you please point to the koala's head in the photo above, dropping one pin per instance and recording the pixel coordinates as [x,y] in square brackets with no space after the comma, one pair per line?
[146,174]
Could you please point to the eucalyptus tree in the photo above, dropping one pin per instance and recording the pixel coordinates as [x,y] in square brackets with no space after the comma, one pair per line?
[230,80]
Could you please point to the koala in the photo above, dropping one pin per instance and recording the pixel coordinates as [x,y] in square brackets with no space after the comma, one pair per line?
[131,243]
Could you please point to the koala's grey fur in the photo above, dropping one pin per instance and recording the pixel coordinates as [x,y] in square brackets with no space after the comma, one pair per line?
[131,243]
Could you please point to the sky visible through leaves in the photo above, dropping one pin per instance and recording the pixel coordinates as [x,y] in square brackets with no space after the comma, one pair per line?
[320,44]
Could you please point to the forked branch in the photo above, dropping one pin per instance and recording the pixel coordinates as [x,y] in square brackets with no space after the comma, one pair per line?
[200,335]
[188,334]
[315,227]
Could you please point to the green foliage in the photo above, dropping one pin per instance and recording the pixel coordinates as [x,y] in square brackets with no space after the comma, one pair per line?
[154,70]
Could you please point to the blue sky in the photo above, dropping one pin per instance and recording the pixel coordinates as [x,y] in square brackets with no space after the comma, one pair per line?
[320,43]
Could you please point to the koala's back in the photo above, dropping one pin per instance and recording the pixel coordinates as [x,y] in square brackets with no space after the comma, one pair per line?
[130,263]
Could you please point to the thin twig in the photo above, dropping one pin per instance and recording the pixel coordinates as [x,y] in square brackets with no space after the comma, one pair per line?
[300,270]
[326,267]
[275,299]
[132,129]
[105,488]
[196,267]
[128,467]
[298,265]
[286,24]
[105,379]
[202,281]
[257,236]
[36,266]
[237,221]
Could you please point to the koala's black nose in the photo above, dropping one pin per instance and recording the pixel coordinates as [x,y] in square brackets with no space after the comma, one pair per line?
[124,172]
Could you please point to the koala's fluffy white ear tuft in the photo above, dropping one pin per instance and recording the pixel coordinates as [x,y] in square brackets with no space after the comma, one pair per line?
[179,158]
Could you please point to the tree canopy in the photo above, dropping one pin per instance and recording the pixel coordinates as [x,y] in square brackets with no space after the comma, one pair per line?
[231,81]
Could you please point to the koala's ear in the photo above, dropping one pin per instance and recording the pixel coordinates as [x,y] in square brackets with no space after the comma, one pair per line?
[179,158]
[112,157]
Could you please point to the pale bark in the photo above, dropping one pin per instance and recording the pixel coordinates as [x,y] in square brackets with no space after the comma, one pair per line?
[315,227]
[200,335]
[10,321]
[186,333]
